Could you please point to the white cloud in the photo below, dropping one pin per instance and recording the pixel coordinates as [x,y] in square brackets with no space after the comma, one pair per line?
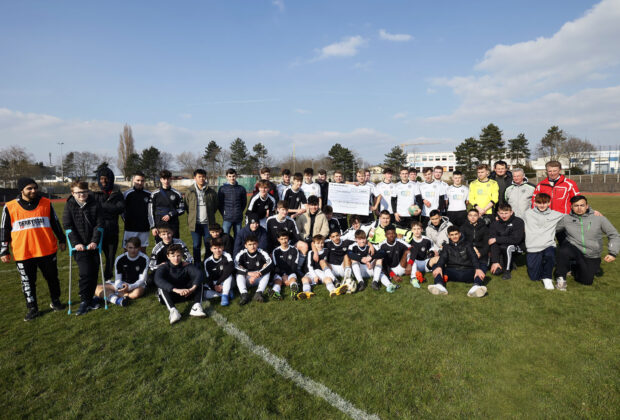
[279,4]
[348,47]
[399,115]
[383,34]
[555,80]
[39,133]
[302,111]
[185,116]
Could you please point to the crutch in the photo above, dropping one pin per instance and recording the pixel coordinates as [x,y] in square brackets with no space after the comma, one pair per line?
[100,249]
[70,265]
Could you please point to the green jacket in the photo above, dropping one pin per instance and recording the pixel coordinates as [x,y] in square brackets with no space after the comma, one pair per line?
[191,204]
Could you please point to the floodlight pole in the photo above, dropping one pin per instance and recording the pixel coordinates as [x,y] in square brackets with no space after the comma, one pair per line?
[62,166]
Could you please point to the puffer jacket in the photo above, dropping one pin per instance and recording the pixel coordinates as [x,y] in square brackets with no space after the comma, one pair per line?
[84,222]
[586,233]
[459,255]
[232,199]
[439,234]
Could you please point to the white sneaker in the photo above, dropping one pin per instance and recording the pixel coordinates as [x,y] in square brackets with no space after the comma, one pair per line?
[561,285]
[175,315]
[548,284]
[197,311]
[477,291]
[437,289]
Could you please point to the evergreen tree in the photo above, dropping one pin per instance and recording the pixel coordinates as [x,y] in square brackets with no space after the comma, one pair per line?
[125,148]
[518,149]
[132,164]
[238,154]
[68,165]
[395,159]
[260,153]
[491,144]
[552,144]
[212,156]
[150,163]
[468,156]
[343,159]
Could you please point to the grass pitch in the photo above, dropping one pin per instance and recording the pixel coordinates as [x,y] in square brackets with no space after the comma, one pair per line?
[521,351]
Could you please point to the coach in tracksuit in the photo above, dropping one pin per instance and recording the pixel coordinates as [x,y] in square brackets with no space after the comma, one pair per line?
[136,211]
[30,225]
[113,205]
[166,205]
[83,216]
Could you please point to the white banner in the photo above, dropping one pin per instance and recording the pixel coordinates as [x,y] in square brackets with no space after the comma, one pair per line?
[349,199]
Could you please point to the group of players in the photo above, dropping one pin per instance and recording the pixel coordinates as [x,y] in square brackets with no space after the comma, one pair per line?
[293,239]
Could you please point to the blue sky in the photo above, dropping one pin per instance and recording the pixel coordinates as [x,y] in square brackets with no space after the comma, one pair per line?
[367,74]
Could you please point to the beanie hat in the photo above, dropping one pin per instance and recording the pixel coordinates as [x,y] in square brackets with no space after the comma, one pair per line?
[251,217]
[23,182]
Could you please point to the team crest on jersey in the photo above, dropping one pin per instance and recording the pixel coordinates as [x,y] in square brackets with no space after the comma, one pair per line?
[290,257]
[173,197]
[137,268]
[220,268]
[146,199]
[423,248]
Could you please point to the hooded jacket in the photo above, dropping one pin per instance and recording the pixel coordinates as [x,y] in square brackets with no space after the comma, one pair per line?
[458,255]
[509,232]
[540,227]
[111,201]
[478,236]
[586,233]
[439,234]
[520,197]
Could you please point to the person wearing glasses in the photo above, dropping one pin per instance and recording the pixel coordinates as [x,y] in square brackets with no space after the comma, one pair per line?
[30,225]
[83,216]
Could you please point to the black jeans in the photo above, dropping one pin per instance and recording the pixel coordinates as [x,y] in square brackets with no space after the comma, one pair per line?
[88,267]
[465,275]
[109,246]
[28,272]
[458,218]
[585,268]
[169,298]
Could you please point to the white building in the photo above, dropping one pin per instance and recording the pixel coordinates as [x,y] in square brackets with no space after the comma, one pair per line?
[421,160]
[597,162]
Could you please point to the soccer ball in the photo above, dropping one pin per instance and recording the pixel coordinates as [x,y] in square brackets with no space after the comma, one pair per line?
[413,209]
[351,285]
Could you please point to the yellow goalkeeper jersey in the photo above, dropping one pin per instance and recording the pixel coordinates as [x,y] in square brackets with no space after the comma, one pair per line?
[481,193]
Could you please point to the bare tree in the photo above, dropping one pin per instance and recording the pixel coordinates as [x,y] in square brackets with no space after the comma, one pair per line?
[126,147]
[188,162]
[85,163]
[575,149]
[15,162]
[167,161]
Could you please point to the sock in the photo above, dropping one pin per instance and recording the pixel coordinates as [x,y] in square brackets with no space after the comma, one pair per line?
[376,274]
[306,287]
[242,283]
[113,298]
[385,281]
[347,272]
[227,285]
[357,272]
[277,288]
[330,286]
[262,284]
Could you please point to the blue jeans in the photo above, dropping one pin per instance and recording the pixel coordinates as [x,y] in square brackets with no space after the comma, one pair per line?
[226,225]
[540,264]
[201,234]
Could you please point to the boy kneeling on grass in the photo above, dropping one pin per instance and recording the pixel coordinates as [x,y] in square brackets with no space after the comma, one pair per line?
[459,262]
[179,281]
[367,265]
[422,254]
[219,268]
[319,271]
[285,259]
[253,267]
[159,253]
[396,255]
[130,272]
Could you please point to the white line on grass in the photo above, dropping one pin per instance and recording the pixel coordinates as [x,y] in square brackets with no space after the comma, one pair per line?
[284,369]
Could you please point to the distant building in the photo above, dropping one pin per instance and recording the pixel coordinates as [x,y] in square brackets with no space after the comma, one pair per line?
[597,162]
[420,160]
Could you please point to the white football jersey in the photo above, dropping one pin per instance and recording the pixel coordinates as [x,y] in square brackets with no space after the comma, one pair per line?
[311,189]
[431,192]
[282,190]
[405,194]
[385,191]
[457,197]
